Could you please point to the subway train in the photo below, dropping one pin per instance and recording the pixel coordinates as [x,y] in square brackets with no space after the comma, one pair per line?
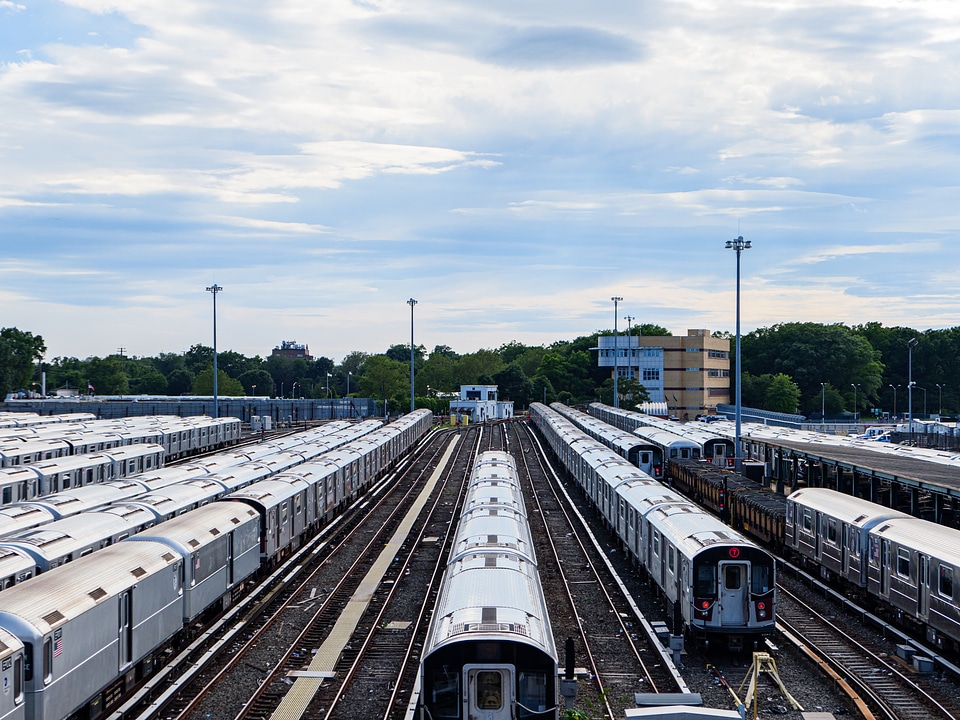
[719,585]
[649,448]
[489,651]
[179,437]
[229,470]
[83,634]
[714,447]
[899,566]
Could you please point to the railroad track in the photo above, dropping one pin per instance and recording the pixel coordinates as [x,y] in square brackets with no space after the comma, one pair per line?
[879,686]
[223,666]
[348,645]
[590,602]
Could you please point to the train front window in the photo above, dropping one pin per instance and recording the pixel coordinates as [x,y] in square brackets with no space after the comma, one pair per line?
[705,581]
[532,698]
[445,693]
[760,578]
[489,690]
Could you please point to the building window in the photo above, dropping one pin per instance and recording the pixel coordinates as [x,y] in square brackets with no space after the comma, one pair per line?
[652,352]
[718,392]
[651,374]
[723,354]
[693,349]
[714,372]
[693,369]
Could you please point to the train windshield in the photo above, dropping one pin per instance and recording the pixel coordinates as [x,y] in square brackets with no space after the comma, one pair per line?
[761,576]
[445,694]
[705,580]
[532,696]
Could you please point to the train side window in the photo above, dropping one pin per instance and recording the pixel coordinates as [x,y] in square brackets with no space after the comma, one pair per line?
[7,495]
[489,690]
[670,558]
[832,530]
[903,562]
[874,550]
[47,660]
[696,453]
[18,680]
[946,581]
[656,543]
[807,524]
[532,694]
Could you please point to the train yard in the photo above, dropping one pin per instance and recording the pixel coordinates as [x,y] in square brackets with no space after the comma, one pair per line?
[347,616]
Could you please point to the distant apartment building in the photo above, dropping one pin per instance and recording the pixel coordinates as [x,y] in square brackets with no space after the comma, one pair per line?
[293,350]
[690,373]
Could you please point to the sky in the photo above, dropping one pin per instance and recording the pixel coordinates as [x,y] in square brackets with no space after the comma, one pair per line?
[510,165]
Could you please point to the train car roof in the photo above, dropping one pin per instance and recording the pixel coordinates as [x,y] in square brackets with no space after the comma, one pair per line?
[846,508]
[491,596]
[56,597]
[925,537]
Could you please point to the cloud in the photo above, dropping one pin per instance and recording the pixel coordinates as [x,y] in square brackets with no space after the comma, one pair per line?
[826,254]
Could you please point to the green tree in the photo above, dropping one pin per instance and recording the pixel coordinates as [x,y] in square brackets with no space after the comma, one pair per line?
[226,385]
[782,395]
[384,379]
[198,358]
[19,350]
[257,382]
[180,381]
[107,376]
[513,384]
[812,353]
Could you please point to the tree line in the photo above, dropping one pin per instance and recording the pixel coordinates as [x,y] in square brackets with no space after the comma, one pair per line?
[788,367]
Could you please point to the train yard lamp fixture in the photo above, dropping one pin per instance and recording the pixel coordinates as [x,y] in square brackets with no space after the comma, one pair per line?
[738,245]
[411,302]
[894,399]
[630,318]
[856,413]
[940,404]
[216,400]
[911,344]
[616,349]
[328,386]
[349,373]
[293,392]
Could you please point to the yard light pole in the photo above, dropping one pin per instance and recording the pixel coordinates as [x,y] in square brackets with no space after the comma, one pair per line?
[940,404]
[856,413]
[349,373]
[630,349]
[411,302]
[616,396]
[894,399]
[911,344]
[823,406]
[924,400]
[738,245]
[216,402]
[328,386]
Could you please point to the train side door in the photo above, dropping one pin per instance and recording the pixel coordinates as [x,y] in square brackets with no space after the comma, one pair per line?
[923,587]
[733,593]
[489,692]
